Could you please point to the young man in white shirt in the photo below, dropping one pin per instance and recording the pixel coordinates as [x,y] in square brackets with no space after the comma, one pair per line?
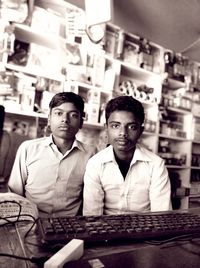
[125,177]
[49,171]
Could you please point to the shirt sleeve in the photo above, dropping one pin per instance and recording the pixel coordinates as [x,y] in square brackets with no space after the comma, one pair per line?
[160,189]
[93,194]
[19,174]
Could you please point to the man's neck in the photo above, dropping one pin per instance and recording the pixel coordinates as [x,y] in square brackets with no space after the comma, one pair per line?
[123,164]
[124,156]
[63,145]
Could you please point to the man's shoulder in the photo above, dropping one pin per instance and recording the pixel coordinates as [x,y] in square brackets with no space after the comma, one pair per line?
[86,148]
[102,155]
[34,142]
[148,154]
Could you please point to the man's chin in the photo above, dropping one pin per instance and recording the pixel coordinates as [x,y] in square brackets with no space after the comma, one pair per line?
[121,148]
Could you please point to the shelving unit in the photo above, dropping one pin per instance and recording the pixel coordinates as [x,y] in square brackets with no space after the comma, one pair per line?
[123,63]
[172,138]
[175,138]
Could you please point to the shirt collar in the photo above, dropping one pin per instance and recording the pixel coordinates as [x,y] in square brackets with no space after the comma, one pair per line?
[76,144]
[139,154]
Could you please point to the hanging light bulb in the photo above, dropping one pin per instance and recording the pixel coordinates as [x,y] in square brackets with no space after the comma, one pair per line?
[97,14]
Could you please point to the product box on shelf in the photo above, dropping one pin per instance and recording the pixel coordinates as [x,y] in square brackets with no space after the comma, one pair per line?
[46,98]
[93,96]
[195,176]
[196,128]
[111,42]
[98,71]
[44,59]
[196,108]
[195,188]
[195,159]
[194,202]
[92,113]
[45,21]
[27,98]
[131,52]
[21,125]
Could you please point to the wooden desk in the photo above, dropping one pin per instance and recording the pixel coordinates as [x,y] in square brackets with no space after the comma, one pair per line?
[11,244]
[173,255]
[15,242]
[179,254]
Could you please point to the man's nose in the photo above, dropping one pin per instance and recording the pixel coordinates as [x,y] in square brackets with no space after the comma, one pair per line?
[65,118]
[123,131]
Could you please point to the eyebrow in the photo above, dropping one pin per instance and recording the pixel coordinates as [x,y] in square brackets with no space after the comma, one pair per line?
[71,111]
[133,123]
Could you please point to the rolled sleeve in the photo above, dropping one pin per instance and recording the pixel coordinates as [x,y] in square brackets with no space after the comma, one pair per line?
[93,194]
[18,174]
[160,188]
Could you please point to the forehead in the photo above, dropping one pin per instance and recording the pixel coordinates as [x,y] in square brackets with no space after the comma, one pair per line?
[66,106]
[122,117]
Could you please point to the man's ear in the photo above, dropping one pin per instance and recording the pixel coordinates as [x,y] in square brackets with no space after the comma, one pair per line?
[106,126]
[81,122]
[48,120]
[141,129]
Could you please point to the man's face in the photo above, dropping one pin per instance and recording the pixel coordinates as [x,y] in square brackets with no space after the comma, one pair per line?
[65,121]
[124,130]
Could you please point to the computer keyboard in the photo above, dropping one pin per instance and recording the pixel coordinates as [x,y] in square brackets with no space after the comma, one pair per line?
[124,227]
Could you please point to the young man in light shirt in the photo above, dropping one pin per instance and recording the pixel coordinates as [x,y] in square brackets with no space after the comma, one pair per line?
[49,170]
[125,177]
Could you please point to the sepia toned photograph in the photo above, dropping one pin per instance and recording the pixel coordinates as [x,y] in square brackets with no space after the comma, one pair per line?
[100,133]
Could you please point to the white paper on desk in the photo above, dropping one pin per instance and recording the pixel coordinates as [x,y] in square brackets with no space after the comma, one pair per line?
[10,204]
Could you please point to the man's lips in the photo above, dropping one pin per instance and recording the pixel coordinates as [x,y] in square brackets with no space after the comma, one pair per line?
[122,141]
[64,127]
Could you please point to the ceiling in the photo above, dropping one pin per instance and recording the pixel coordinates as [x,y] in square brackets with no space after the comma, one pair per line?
[173,24]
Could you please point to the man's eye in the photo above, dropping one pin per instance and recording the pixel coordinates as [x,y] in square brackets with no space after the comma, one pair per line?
[115,126]
[74,115]
[58,113]
[133,127]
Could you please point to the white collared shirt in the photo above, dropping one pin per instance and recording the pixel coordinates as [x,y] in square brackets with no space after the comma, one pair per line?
[145,187]
[53,181]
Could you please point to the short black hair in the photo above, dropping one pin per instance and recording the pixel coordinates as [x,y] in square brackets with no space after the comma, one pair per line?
[72,97]
[125,103]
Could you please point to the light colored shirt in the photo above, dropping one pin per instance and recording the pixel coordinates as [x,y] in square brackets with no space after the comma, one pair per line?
[146,186]
[51,180]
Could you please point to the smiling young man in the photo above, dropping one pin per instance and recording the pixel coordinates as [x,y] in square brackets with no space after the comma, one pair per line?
[125,177]
[49,170]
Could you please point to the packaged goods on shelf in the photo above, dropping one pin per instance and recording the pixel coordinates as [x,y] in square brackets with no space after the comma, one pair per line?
[196,108]
[93,96]
[150,126]
[92,113]
[195,188]
[176,159]
[194,202]
[27,99]
[46,21]
[196,127]
[131,52]
[195,160]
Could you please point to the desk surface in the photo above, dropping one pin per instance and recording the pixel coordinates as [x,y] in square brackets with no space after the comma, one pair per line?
[178,255]
[183,254]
